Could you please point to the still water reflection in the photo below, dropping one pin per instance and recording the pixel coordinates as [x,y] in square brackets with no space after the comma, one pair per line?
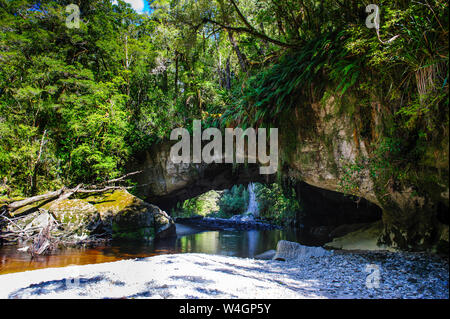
[229,243]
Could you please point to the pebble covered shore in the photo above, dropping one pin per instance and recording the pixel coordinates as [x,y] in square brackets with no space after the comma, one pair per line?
[384,275]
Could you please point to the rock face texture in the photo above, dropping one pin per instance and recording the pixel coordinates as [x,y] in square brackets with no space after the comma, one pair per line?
[411,201]
[319,147]
[76,215]
[290,251]
[365,238]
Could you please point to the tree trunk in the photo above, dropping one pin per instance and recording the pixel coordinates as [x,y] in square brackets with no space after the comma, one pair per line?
[228,72]
[241,57]
[177,60]
[266,44]
[27,201]
[36,165]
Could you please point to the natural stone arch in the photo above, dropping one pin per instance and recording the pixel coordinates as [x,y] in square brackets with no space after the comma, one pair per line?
[165,184]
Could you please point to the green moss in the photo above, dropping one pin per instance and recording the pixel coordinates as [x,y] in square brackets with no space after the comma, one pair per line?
[119,200]
[124,215]
[75,215]
[296,130]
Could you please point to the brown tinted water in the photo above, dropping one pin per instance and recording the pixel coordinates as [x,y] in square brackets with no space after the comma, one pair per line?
[229,243]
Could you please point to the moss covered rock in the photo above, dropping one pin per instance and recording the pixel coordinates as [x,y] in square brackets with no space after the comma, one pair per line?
[117,215]
[127,217]
[164,225]
[76,215]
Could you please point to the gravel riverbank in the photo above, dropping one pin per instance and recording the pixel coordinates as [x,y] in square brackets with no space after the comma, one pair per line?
[341,275]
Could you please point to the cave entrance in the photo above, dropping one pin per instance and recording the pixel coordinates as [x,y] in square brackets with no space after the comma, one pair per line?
[310,215]
[328,214]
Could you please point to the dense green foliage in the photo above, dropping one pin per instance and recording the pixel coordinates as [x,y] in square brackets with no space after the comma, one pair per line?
[203,205]
[222,204]
[77,104]
[71,106]
[234,201]
[342,56]
[276,204]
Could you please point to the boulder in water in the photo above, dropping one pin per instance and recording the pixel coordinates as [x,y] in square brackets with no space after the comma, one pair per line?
[164,224]
[127,217]
[290,251]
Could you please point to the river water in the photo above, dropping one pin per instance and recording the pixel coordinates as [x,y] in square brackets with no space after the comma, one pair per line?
[229,243]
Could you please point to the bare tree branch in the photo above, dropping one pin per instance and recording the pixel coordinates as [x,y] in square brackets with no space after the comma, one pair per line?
[121,178]
[252,32]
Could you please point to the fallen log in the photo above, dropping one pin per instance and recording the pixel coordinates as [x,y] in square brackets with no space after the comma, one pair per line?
[27,201]
[65,193]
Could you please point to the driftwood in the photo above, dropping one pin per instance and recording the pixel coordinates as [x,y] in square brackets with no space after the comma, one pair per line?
[21,203]
[43,241]
[65,193]
[38,238]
